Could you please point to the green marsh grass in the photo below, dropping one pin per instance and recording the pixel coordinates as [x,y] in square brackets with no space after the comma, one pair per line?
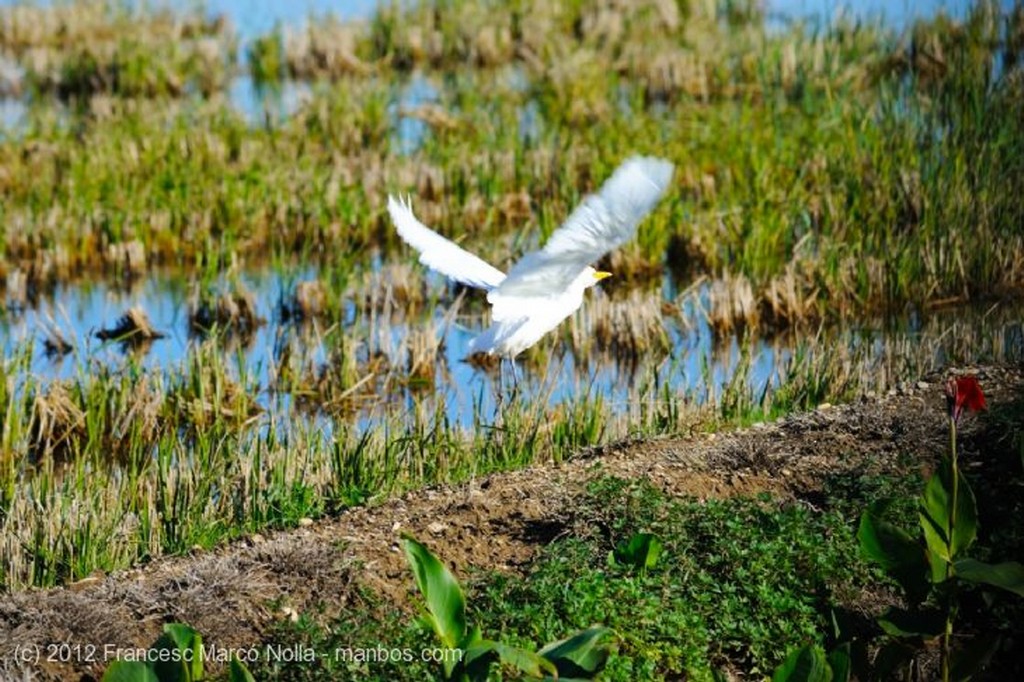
[121,463]
[81,48]
[825,171]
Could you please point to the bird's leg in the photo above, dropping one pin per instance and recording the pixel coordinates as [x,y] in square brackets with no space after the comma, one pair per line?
[515,377]
[501,384]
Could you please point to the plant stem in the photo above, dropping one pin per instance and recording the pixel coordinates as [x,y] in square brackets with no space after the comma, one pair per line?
[950,600]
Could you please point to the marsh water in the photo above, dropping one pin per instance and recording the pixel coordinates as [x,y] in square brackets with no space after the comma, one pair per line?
[698,362]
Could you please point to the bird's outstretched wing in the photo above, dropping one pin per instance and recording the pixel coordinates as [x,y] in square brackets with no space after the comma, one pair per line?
[601,223]
[441,255]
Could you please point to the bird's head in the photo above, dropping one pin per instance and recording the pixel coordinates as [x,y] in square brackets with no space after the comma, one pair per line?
[591,276]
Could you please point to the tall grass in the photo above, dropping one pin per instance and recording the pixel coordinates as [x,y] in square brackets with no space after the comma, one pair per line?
[125,464]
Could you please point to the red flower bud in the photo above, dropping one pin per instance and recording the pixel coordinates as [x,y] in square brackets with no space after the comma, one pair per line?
[963,393]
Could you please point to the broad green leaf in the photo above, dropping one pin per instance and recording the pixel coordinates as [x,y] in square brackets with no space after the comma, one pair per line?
[581,655]
[935,506]
[806,664]
[446,605]
[187,664]
[129,671]
[1008,575]
[471,637]
[239,672]
[529,662]
[938,567]
[641,551]
[840,662]
[477,659]
[485,651]
[917,623]
[896,551]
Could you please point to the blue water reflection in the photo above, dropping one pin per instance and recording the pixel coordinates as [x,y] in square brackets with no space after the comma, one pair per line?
[698,364]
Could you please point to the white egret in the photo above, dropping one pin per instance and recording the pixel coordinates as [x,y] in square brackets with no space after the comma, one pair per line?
[546,286]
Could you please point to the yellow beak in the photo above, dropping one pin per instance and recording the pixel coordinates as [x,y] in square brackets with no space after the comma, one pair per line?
[599,275]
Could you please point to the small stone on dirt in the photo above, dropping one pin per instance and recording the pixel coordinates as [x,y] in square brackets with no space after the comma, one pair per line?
[305,522]
[93,578]
[436,528]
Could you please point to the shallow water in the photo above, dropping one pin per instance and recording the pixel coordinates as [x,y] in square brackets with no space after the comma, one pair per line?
[79,310]
[698,364]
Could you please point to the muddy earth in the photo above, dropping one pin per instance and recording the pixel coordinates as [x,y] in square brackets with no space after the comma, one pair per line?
[235,594]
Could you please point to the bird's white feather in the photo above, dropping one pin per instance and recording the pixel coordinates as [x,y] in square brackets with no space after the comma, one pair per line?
[545,286]
[601,223]
[440,254]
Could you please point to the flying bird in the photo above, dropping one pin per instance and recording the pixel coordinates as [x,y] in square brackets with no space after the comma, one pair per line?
[546,286]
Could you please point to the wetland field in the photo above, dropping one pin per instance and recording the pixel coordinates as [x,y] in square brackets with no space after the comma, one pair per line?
[227,388]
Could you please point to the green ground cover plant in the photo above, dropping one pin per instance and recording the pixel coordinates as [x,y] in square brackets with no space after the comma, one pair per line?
[734,579]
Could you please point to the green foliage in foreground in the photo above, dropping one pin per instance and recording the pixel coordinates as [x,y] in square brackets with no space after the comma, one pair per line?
[176,656]
[931,566]
[738,582]
[579,656]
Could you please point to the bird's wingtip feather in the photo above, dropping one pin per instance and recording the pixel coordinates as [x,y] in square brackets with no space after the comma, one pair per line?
[399,203]
[657,170]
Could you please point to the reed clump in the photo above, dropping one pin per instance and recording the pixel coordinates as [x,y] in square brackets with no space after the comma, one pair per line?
[393,284]
[423,354]
[127,258]
[132,328]
[232,309]
[86,47]
[16,289]
[731,305]
[115,415]
[55,343]
[206,397]
[792,298]
[57,425]
[350,379]
[308,300]
[628,327]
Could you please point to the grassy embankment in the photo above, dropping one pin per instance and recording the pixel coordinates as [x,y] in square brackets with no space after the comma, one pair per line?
[820,176]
